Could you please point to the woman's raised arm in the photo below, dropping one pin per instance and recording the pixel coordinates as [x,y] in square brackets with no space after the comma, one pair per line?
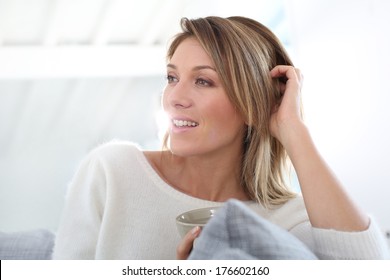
[327,203]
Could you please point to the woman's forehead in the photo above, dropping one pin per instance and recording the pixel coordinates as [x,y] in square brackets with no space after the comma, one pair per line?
[191,51]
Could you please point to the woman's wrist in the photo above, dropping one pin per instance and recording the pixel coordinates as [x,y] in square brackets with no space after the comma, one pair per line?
[294,136]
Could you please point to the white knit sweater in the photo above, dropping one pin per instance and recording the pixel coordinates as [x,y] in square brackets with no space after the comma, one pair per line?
[117,207]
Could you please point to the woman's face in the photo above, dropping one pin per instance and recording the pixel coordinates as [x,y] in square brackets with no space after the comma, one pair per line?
[202,118]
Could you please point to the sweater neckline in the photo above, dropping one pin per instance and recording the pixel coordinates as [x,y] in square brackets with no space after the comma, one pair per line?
[170,190]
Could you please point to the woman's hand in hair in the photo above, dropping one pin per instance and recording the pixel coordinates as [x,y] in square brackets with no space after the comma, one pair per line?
[287,116]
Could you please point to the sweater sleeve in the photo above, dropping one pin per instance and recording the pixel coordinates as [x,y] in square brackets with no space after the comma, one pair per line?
[78,232]
[366,245]
[329,243]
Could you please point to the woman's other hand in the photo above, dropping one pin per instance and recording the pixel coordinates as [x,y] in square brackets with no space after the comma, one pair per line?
[287,115]
[184,248]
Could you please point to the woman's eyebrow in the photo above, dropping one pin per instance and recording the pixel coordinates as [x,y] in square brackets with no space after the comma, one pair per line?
[201,67]
[171,66]
[196,68]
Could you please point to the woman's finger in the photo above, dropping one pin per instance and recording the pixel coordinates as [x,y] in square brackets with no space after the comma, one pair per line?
[290,75]
[290,72]
[185,246]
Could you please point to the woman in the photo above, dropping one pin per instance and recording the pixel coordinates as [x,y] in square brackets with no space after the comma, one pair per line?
[233,100]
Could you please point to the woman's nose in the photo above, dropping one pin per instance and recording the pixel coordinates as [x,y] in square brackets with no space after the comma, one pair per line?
[179,95]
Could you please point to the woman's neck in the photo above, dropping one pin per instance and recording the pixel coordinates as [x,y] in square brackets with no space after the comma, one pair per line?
[214,178]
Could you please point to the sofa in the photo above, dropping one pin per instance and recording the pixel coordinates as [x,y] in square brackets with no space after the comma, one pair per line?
[35,244]
[230,234]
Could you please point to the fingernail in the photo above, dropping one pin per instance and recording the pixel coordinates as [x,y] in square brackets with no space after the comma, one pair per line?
[195,230]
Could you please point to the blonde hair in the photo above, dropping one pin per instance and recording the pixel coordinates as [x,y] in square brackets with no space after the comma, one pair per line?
[244,51]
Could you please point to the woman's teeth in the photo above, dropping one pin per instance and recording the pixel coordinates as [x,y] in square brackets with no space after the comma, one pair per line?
[181,123]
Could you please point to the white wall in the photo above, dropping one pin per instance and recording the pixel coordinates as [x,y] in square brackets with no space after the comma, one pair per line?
[343,48]
[55,129]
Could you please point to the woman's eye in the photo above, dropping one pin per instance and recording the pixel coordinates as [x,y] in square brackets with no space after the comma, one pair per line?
[203,82]
[171,79]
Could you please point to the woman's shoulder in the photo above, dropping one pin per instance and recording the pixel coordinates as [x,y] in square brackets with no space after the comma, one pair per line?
[123,152]
[115,150]
[290,214]
[116,145]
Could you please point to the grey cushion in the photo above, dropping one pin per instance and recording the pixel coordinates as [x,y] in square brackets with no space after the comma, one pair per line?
[236,232]
[27,245]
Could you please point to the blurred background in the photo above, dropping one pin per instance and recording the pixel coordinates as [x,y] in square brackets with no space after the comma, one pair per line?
[77,73]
